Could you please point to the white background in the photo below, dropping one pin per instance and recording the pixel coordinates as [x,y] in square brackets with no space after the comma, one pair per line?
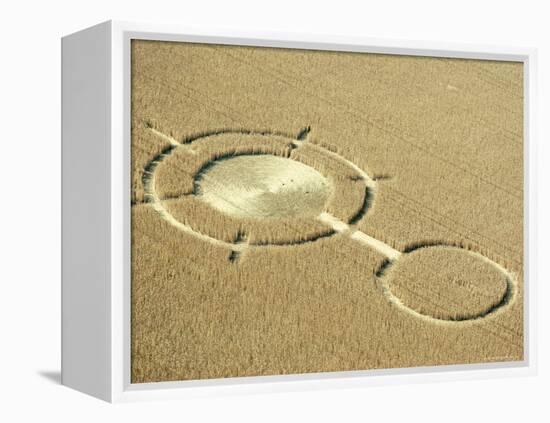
[30,208]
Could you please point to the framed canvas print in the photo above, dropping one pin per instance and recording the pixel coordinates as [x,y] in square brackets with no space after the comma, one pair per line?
[269,212]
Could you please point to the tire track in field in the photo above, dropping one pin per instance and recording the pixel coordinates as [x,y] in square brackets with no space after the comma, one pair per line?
[375,123]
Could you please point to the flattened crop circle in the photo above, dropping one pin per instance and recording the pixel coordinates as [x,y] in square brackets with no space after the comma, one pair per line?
[263,186]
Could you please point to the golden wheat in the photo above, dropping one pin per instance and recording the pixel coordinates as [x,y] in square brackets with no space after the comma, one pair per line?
[443,138]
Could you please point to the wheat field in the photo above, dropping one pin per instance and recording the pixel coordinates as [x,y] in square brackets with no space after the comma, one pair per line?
[300,211]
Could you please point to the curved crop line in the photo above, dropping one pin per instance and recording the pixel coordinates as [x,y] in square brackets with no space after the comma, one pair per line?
[207,134]
[203,169]
[369,182]
[368,198]
[297,142]
[152,197]
[306,240]
[336,225]
[507,297]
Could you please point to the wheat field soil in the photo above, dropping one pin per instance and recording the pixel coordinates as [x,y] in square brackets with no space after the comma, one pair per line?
[299,211]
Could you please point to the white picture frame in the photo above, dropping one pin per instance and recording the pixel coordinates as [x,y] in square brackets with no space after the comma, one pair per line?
[96,226]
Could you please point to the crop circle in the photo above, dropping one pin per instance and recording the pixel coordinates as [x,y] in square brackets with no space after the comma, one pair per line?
[263,186]
[244,190]
[448,283]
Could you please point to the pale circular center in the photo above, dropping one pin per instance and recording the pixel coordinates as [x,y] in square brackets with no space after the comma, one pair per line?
[263,186]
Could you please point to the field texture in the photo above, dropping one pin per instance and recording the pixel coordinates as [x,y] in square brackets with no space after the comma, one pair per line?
[305,211]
